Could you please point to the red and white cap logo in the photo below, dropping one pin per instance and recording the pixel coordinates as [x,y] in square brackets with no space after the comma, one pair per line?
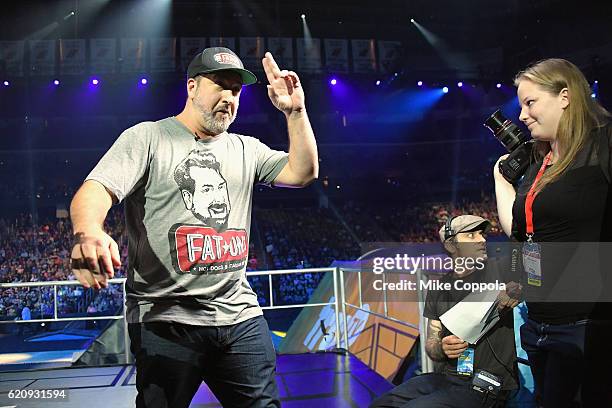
[227,58]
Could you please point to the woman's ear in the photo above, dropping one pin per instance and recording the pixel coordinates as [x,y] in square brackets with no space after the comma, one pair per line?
[564,98]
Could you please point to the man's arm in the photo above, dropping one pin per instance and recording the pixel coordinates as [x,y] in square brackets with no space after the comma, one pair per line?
[94,253]
[287,95]
[303,165]
[433,344]
[89,206]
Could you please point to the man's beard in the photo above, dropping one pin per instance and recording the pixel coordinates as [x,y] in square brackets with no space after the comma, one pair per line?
[219,224]
[212,124]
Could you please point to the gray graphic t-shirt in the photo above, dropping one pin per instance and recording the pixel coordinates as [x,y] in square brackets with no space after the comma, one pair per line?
[188,214]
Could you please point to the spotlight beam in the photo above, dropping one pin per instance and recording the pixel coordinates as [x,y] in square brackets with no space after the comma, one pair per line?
[49,28]
[452,60]
[307,34]
[43,32]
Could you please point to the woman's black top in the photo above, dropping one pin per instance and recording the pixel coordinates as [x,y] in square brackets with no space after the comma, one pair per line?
[570,214]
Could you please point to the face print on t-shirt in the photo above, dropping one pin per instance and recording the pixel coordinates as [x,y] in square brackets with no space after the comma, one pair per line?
[209,247]
[204,189]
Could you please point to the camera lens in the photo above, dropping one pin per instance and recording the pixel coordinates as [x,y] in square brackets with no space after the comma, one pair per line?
[495,122]
[515,143]
[504,130]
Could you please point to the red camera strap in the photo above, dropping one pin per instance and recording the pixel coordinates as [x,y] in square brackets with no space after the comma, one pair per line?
[531,194]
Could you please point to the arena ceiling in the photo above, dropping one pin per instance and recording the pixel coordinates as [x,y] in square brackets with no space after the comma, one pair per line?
[524,30]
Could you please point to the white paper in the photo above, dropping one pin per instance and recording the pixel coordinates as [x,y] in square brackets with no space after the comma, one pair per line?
[471,318]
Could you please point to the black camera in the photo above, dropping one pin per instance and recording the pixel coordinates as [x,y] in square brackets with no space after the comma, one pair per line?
[514,166]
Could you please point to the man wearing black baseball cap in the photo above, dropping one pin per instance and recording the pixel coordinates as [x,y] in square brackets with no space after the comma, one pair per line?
[192,315]
[216,59]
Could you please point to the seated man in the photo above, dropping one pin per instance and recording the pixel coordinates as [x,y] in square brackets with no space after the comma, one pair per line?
[495,353]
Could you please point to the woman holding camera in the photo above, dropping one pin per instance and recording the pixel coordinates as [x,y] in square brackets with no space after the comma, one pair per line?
[564,198]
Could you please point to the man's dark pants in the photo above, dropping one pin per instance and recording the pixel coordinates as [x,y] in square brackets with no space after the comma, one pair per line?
[437,390]
[237,362]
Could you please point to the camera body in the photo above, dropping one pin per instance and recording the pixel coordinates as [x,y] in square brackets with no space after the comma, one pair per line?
[515,142]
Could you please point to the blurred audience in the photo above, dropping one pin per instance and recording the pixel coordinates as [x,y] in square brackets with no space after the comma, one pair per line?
[296,238]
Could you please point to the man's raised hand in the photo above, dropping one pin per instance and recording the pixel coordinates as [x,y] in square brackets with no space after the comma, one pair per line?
[284,89]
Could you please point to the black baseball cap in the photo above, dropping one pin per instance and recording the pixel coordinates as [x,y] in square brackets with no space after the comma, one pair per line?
[216,59]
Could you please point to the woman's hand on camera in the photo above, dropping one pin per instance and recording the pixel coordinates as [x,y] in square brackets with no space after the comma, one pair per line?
[504,196]
[496,173]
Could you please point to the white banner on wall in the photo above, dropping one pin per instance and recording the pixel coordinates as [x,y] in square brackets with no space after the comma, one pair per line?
[309,55]
[42,57]
[72,57]
[133,55]
[252,50]
[137,55]
[103,55]
[336,55]
[11,57]
[389,54]
[163,52]
[190,46]
[282,51]
[364,56]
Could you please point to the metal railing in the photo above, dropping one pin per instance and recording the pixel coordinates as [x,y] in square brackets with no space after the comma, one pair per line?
[384,315]
[55,318]
[426,363]
[334,272]
[339,304]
